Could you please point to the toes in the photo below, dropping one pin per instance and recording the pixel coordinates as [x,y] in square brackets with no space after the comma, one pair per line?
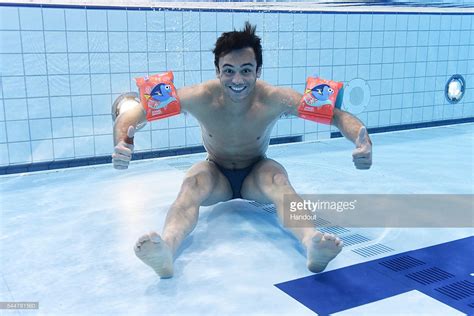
[140,242]
[154,237]
[317,237]
[329,237]
[143,238]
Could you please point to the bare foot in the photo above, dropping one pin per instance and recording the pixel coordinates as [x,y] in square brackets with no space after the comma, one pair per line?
[320,249]
[152,250]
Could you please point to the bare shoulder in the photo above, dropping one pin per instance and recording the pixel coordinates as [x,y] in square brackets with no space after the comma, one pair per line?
[282,99]
[194,97]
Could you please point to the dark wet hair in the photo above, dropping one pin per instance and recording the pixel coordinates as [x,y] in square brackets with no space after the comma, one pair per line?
[230,41]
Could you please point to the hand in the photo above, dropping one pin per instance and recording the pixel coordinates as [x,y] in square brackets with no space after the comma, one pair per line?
[362,155]
[123,150]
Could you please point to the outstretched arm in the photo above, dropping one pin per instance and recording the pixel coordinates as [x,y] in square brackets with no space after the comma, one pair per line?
[192,98]
[131,116]
[349,125]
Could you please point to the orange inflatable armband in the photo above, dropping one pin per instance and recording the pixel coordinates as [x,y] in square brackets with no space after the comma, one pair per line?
[158,96]
[319,100]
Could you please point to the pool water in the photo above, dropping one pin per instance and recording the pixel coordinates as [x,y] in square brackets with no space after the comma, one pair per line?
[67,236]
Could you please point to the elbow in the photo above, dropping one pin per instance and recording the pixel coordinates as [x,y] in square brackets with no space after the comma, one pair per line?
[127,109]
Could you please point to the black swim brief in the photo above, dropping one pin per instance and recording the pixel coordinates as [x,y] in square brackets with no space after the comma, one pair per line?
[236,177]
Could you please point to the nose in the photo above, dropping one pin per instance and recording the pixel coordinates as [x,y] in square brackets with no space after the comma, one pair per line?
[237,79]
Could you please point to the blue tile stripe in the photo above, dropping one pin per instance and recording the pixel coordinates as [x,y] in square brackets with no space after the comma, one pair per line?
[70,163]
[402,127]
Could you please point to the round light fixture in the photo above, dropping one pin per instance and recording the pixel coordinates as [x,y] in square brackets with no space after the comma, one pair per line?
[356,96]
[454,90]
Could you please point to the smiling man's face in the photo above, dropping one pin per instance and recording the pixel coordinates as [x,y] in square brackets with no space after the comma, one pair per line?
[238,73]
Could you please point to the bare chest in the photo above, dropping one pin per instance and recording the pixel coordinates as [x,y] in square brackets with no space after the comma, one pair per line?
[237,137]
[236,130]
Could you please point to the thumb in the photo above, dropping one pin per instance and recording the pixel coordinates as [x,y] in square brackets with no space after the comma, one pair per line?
[130,135]
[362,137]
[131,131]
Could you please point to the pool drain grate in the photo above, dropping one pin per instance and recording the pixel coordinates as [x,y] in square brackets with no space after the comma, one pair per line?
[354,239]
[401,263]
[458,290]
[429,276]
[372,250]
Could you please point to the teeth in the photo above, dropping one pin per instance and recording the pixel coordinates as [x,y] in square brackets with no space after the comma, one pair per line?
[237,88]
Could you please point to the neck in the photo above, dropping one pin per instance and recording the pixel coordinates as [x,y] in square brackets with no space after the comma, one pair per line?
[240,106]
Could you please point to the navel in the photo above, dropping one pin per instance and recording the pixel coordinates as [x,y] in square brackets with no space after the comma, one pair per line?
[258,137]
[210,135]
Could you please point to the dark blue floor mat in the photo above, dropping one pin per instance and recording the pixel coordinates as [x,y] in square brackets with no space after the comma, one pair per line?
[441,272]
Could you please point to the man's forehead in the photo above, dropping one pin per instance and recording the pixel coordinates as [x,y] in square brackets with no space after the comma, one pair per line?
[240,57]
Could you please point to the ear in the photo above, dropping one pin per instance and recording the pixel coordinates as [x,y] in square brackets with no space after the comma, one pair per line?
[259,71]
[217,73]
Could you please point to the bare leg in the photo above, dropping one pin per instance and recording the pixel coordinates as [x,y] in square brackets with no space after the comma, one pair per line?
[203,185]
[268,183]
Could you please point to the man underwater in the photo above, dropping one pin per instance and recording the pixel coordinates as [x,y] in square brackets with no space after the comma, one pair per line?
[236,113]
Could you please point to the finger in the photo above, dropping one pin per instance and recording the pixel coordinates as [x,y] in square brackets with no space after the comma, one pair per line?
[120,159]
[363,156]
[120,163]
[118,156]
[124,150]
[362,134]
[130,135]
[363,139]
[362,148]
[120,167]
[131,131]
[363,166]
[362,162]
[360,155]
[357,154]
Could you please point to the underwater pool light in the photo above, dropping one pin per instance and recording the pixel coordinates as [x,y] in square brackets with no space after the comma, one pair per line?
[454,90]
[356,96]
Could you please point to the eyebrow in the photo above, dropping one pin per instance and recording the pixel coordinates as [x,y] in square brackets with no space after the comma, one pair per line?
[243,65]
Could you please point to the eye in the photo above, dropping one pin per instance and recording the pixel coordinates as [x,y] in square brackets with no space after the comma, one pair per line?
[331,90]
[168,87]
[246,71]
[228,71]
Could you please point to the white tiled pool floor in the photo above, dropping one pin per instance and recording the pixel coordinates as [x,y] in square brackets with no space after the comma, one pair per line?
[67,236]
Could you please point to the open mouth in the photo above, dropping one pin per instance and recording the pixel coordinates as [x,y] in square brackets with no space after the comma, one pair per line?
[238,89]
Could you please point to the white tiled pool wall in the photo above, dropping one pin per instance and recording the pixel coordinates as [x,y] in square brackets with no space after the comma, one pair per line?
[61,68]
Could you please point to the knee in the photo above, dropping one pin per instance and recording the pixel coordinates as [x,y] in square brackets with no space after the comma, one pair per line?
[190,182]
[272,174]
[188,197]
[194,182]
[273,178]
[197,186]
[280,179]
